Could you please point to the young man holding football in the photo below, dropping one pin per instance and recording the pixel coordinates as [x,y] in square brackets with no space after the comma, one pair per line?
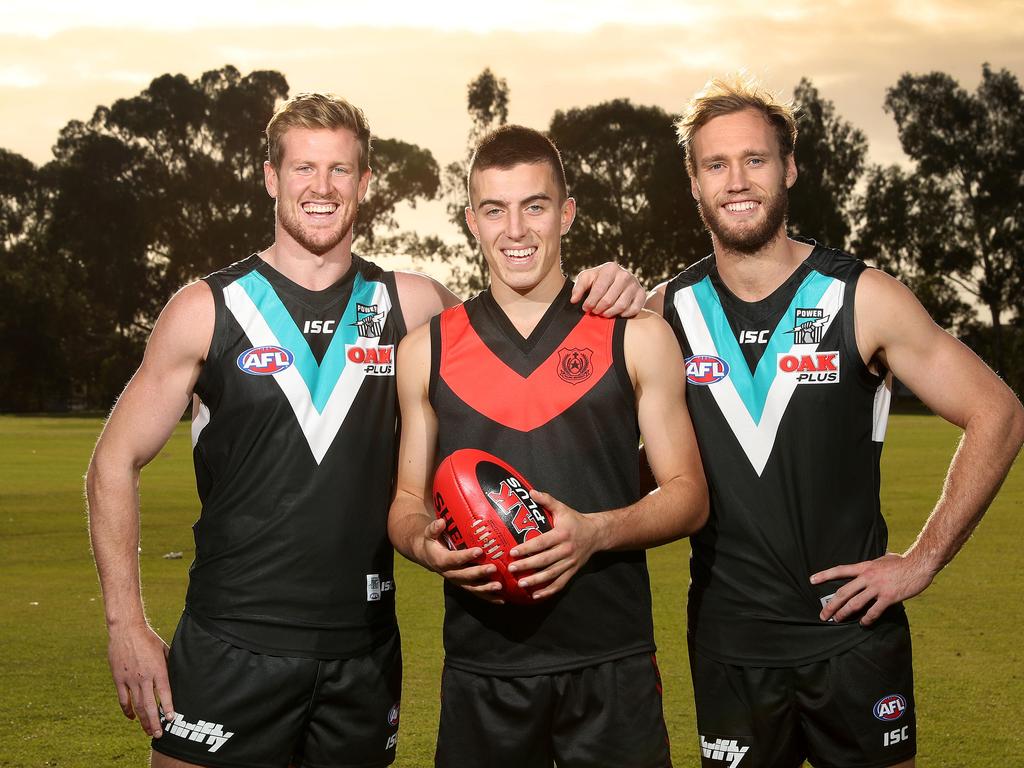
[563,398]
[799,644]
[287,652]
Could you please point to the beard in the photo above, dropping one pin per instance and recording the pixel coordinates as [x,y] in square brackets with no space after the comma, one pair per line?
[748,240]
[315,240]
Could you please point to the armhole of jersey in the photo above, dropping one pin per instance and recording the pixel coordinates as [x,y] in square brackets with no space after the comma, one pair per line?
[668,309]
[435,357]
[214,352]
[871,381]
[618,350]
[397,314]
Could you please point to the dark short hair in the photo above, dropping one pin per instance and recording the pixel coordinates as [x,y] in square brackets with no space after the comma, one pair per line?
[512,145]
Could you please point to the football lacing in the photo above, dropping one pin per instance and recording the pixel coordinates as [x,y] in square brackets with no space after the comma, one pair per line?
[485,535]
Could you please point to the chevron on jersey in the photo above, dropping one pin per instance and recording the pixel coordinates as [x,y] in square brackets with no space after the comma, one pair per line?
[321,394]
[753,404]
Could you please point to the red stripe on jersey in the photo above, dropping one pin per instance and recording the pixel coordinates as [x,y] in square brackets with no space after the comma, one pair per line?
[486,384]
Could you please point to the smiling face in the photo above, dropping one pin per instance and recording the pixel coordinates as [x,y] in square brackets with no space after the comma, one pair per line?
[317,187]
[518,216]
[741,181]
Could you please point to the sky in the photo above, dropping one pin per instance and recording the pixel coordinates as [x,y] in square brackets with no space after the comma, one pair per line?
[407,64]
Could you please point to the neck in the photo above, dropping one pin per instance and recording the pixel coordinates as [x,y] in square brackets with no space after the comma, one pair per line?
[306,268]
[753,276]
[525,309]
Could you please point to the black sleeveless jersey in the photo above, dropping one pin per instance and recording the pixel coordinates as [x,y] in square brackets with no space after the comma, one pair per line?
[294,450]
[790,423]
[559,407]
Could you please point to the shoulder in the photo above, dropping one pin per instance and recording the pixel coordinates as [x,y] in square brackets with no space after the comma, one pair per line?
[421,297]
[646,333]
[184,329]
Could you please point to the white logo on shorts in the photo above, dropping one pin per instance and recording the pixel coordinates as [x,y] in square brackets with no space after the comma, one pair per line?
[202,731]
[376,586]
[724,750]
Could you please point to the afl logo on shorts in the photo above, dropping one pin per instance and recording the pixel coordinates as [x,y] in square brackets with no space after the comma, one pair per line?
[890,707]
[393,715]
[705,369]
[265,361]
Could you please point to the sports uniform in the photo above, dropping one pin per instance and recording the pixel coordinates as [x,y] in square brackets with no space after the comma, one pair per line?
[573,678]
[289,638]
[790,423]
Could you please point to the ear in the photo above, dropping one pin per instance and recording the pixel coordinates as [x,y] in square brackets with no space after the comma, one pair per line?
[568,214]
[694,188]
[270,179]
[364,183]
[471,222]
[791,173]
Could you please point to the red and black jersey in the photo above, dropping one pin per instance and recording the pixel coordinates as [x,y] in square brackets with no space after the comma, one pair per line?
[558,406]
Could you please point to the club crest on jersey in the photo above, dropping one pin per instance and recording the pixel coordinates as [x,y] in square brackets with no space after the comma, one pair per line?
[891,707]
[816,368]
[574,365]
[265,361]
[375,361]
[705,369]
[808,325]
[369,322]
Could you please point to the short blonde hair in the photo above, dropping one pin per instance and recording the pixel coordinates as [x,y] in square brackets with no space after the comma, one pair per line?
[735,93]
[317,110]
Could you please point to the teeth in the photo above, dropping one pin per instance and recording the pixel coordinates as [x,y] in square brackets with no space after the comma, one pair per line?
[319,207]
[746,205]
[519,253]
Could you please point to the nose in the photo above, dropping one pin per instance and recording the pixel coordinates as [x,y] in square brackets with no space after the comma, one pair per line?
[737,180]
[515,225]
[322,183]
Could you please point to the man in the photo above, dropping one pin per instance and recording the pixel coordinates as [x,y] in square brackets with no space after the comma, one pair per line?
[799,644]
[287,652]
[571,678]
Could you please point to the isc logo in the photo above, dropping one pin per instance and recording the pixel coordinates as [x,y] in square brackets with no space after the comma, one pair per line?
[265,361]
[890,707]
[705,369]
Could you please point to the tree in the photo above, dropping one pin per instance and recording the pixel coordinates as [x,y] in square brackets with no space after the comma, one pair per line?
[970,149]
[830,160]
[903,229]
[628,173]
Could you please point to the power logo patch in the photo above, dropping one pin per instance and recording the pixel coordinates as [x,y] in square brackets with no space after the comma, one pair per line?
[808,325]
[369,322]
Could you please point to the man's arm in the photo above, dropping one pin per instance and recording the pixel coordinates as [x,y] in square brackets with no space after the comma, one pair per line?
[677,508]
[140,424]
[894,329]
[413,529]
[609,290]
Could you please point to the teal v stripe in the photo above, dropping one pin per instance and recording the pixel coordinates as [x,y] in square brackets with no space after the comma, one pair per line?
[753,390]
[320,379]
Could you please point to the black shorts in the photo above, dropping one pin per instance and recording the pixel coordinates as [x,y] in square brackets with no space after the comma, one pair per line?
[605,716]
[854,710]
[238,708]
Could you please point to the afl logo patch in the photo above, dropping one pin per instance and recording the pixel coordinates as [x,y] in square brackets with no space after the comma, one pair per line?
[890,707]
[705,369]
[574,364]
[265,361]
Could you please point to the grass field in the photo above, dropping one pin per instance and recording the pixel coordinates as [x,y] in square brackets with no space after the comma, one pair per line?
[57,704]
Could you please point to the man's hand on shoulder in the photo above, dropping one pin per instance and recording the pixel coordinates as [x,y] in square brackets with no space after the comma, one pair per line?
[610,291]
[138,663]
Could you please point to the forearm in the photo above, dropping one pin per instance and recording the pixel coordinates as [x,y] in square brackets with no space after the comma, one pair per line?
[407,521]
[114,532]
[985,454]
[677,508]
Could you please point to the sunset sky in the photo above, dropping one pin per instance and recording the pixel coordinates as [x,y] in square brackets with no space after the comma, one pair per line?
[407,64]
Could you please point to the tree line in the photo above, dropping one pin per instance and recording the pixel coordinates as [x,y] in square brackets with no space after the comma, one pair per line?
[166,186]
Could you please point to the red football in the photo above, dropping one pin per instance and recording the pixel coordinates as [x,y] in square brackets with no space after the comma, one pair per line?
[486,503]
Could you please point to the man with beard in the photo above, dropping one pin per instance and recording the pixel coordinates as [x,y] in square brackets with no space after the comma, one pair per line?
[799,644]
[288,650]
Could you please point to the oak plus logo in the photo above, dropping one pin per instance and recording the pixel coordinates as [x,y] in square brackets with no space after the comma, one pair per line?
[202,731]
[816,368]
[728,752]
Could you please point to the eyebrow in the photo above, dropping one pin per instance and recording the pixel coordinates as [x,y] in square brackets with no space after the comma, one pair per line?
[745,153]
[504,203]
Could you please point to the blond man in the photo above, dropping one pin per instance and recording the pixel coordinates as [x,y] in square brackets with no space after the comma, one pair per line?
[799,644]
